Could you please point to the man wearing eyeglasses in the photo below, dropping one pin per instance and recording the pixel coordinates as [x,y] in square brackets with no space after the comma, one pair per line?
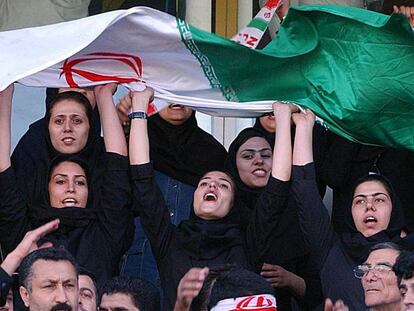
[379,280]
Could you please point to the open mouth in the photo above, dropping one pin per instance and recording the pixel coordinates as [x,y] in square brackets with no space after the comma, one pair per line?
[175,106]
[370,220]
[259,172]
[68,140]
[211,197]
[70,201]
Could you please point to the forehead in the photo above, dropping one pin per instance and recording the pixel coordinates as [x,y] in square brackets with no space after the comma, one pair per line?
[217,175]
[86,282]
[370,187]
[68,168]
[117,300]
[408,282]
[61,270]
[387,255]
[67,106]
[255,143]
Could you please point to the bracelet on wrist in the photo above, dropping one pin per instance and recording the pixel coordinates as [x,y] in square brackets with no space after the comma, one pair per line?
[138,115]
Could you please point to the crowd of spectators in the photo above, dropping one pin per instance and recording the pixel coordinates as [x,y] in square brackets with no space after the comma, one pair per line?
[103,207]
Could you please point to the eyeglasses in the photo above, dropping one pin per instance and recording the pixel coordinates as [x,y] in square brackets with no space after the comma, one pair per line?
[378,270]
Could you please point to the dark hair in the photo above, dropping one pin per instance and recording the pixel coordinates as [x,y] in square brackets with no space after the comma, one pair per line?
[377,178]
[404,266]
[68,158]
[143,294]
[70,95]
[385,245]
[84,271]
[232,181]
[238,282]
[48,254]
[200,302]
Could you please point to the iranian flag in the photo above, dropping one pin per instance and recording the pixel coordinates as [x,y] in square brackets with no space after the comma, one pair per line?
[352,67]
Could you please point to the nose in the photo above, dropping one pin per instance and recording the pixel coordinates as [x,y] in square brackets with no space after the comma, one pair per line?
[408,299]
[61,295]
[70,187]
[212,184]
[370,276]
[370,204]
[258,160]
[67,127]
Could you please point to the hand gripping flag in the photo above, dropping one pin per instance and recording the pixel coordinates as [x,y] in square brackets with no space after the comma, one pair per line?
[352,67]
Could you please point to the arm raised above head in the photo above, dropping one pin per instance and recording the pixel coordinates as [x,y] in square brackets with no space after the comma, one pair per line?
[114,137]
[138,137]
[6,97]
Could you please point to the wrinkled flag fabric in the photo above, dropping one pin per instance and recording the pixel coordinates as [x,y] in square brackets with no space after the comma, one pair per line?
[353,68]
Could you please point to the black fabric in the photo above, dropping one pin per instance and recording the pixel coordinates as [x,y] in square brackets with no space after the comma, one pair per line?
[346,162]
[96,236]
[246,199]
[175,248]
[357,246]
[320,145]
[184,152]
[337,255]
[6,282]
[295,254]
[204,240]
[34,153]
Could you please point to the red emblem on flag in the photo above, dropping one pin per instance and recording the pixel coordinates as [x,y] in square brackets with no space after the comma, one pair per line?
[255,303]
[101,66]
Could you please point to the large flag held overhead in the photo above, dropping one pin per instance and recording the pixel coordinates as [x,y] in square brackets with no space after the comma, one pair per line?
[354,68]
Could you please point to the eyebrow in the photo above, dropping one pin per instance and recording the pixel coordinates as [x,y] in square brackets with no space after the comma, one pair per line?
[221,178]
[65,175]
[82,289]
[370,195]
[256,150]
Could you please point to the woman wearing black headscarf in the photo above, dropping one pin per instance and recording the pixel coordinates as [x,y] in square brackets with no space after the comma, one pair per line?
[91,232]
[178,149]
[212,235]
[35,150]
[249,162]
[374,216]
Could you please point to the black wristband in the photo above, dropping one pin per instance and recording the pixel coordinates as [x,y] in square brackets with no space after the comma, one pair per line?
[138,115]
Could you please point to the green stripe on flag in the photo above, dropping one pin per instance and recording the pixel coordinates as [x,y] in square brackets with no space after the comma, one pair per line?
[258,23]
[209,72]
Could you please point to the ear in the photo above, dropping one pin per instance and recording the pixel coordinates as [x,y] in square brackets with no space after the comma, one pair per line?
[25,294]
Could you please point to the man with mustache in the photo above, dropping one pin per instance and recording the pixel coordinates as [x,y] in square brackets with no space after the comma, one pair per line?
[49,279]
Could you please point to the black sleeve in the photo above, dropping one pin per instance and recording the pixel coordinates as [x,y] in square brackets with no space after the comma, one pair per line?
[335,168]
[115,200]
[155,217]
[6,282]
[313,216]
[13,212]
[264,220]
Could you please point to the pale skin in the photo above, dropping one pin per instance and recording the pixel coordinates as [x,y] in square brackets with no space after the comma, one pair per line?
[281,169]
[189,287]
[337,306]
[408,11]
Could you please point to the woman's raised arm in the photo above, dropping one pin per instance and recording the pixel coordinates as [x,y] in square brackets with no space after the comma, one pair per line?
[6,97]
[114,137]
[138,138]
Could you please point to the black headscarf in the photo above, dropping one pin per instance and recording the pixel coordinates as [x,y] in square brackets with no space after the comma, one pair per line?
[40,211]
[207,239]
[246,197]
[34,153]
[356,244]
[184,152]
[288,226]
